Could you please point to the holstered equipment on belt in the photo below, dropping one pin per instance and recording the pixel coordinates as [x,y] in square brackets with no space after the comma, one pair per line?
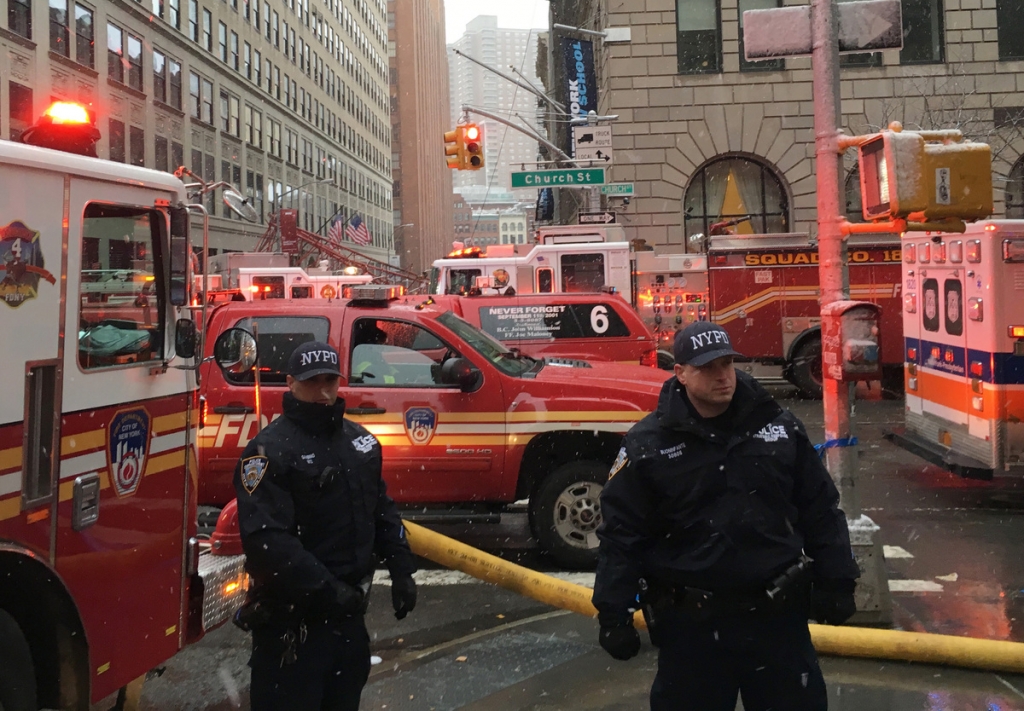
[787,591]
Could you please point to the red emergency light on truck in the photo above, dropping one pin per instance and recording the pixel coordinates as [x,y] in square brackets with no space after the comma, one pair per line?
[102,576]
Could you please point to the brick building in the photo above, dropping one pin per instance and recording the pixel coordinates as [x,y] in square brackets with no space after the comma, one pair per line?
[705,135]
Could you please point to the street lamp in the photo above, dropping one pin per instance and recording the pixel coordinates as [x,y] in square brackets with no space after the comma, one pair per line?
[321,181]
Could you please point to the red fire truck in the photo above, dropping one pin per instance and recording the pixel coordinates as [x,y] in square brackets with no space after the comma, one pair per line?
[467,426]
[764,292]
[762,288]
[102,574]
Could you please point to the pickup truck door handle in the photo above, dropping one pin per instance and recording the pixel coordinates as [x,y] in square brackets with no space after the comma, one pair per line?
[365,410]
[233,410]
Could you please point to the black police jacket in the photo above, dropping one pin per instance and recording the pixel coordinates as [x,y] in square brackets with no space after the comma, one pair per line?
[312,506]
[725,509]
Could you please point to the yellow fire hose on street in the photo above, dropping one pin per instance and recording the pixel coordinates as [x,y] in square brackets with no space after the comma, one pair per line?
[986,654]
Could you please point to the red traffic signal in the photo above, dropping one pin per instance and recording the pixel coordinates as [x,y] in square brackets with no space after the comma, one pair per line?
[472,147]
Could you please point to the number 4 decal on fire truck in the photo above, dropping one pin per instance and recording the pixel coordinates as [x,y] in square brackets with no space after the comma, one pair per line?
[22,263]
[127,449]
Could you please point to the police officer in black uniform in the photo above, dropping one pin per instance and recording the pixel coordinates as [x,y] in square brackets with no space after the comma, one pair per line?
[314,516]
[719,518]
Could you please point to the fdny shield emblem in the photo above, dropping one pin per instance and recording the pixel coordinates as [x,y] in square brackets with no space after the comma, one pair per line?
[21,264]
[253,469]
[127,448]
[420,423]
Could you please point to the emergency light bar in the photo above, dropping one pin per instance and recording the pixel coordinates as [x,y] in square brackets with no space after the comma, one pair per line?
[64,126]
[377,293]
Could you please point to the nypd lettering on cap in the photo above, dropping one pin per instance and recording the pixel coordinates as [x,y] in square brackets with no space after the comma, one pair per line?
[322,357]
[708,338]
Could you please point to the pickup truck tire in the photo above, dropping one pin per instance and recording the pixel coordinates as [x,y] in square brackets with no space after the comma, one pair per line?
[666,361]
[17,673]
[805,368]
[565,511]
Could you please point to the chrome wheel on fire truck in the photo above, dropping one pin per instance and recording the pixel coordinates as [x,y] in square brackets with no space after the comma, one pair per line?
[565,511]
[17,673]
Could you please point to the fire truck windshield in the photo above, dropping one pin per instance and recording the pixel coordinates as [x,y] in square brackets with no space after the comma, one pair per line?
[508,362]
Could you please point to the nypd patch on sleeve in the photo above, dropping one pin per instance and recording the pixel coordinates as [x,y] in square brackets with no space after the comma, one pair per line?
[253,469]
[620,461]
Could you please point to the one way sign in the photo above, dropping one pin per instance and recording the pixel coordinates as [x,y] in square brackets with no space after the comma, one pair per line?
[596,218]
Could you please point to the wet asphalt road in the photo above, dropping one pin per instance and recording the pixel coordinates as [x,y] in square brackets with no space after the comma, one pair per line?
[953,558]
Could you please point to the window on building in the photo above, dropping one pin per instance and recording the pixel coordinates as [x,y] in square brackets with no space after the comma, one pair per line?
[174,76]
[854,209]
[274,34]
[222,41]
[85,51]
[160,153]
[207,30]
[116,137]
[733,188]
[1010,19]
[134,62]
[1015,192]
[115,51]
[257,68]
[158,8]
[20,109]
[922,32]
[768,65]
[174,14]
[253,126]
[247,59]
[60,33]
[19,17]
[234,51]
[274,136]
[159,76]
[193,20]
[698,36]
[137,146]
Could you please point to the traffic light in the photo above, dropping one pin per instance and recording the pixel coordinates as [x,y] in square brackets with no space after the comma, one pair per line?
[472,147]
[902,173]
[452,149]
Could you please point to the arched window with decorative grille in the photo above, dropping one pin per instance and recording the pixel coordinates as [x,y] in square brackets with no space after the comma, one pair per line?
[733,194]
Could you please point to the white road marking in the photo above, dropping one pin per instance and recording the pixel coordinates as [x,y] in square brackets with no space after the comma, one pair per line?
[1010,686]
[896,552]
[911,586]
[455,577]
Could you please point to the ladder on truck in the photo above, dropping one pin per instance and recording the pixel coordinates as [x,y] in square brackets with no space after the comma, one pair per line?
[312,243]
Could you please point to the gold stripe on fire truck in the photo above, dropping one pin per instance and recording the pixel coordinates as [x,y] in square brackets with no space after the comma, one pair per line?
[10,458]
[784,293]
[154,465]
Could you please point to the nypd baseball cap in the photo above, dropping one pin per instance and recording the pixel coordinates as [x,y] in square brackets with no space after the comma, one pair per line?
[700,343]
[312,359]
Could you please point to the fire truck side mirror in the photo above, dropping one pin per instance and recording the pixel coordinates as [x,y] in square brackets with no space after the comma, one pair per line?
[460,372]
[180,257]
[235,351]
[850,341]
[186,338]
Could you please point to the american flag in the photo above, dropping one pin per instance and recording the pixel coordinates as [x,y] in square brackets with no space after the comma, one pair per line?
[334,232]
[357,231]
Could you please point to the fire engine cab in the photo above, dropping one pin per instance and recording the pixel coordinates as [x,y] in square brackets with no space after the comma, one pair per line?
[467,426]
[103,578]
[964,348]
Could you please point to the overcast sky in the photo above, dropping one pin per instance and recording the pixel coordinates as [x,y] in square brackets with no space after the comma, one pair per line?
[513,14]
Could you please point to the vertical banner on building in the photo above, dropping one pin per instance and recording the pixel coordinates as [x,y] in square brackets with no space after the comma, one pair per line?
[288,223]
[580,79]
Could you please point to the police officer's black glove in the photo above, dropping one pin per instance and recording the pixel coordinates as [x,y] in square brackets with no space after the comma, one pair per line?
[403,595]
[620,641]
[832,601]
[348,600]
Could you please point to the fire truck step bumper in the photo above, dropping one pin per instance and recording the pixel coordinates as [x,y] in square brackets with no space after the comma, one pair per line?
[224,585]
[938,455]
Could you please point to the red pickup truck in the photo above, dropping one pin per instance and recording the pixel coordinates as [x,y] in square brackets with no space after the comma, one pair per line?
[599,326]
[464,422]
